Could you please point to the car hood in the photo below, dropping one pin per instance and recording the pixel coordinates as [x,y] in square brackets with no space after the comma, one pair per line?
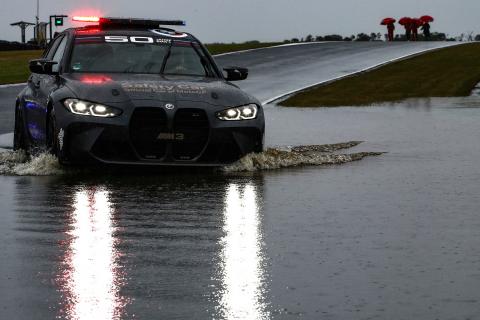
[117,88]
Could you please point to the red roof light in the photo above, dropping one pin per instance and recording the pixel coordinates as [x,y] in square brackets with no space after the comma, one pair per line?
[86,19]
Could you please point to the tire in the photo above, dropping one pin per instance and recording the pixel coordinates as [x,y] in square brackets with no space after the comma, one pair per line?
[20,138]
[52,135]
[260,146]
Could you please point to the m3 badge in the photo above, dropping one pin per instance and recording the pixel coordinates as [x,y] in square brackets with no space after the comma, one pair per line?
[170,136]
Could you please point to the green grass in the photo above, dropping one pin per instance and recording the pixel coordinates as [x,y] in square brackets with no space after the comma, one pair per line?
[14,65]
[449,72]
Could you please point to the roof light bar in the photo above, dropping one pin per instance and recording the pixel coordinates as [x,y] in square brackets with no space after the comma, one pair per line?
[129,22]
[148,23]
[86,19]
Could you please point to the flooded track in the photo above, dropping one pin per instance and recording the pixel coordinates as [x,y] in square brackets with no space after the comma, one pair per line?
[390,237]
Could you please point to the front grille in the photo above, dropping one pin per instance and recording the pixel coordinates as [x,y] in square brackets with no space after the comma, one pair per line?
[145,126]
[112,146]
[222,149]
[193,126]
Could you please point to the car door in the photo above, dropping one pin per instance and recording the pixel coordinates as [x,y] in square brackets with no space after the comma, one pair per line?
[35,99]
[49,83]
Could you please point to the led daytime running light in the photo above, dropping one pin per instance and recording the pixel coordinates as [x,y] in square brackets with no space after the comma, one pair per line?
[86,108]
[246,112]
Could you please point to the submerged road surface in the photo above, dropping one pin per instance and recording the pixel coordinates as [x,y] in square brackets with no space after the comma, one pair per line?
[278,70]
[390,237]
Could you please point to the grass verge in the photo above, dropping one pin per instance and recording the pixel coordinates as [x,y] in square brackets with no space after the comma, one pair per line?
[14,64]
[449,72]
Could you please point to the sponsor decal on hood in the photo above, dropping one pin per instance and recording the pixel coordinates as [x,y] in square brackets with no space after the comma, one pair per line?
[155,87]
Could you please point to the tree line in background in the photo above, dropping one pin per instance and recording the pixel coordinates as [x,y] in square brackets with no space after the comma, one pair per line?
[435,36]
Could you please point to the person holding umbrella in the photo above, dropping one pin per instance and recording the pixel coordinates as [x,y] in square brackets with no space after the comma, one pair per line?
[389,22]
[426,25]
[406,23]
[416,23]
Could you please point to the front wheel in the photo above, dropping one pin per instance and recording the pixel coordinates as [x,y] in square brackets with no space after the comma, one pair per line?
[52,135]
[20,141]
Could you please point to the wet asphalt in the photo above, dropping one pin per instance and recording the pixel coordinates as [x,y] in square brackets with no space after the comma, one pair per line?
[389,237]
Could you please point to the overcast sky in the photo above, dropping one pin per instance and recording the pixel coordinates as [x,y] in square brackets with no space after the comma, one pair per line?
[241,20]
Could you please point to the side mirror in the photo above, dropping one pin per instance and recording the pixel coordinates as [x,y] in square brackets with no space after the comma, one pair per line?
[236,73]
[42,66]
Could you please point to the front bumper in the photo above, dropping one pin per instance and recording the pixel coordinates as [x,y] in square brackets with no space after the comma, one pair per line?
[153,136]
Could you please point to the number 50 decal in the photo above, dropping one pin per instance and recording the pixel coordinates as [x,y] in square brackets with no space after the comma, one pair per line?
[124,39]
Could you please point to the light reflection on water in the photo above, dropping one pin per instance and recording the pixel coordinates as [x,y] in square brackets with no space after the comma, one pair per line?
[91,280]
[243,275]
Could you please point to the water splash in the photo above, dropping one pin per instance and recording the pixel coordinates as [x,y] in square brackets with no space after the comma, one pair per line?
[275,158]
[19,164]
[45,164]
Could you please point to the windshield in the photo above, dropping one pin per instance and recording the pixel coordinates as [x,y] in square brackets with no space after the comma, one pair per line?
[119,54]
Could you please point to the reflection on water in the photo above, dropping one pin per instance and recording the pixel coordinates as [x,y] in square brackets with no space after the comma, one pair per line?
[243,273]
[91,280]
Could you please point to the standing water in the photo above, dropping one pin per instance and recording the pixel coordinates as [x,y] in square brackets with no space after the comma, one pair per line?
[389,237]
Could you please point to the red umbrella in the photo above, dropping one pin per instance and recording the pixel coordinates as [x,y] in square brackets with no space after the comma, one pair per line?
[405,20]
[387,21]
[427,19]
[418,22]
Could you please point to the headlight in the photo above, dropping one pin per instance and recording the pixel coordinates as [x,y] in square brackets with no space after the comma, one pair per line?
[87,108]
[246,112]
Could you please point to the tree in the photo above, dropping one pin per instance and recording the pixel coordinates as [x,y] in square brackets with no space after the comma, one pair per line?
[333,37]
[319,38]
[470,36]
[477,37]
[438,36]
[362,37]
[309,38]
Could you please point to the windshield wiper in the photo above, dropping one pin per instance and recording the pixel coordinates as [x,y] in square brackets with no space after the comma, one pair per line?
[167,55]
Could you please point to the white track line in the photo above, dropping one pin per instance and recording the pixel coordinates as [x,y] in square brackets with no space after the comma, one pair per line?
[277,46]
[12,85]
[376,66]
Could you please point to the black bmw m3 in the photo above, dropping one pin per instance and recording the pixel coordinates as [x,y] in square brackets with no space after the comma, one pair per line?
[131,91]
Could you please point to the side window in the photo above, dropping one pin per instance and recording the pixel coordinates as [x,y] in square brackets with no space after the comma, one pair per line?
[57,57]
[51,49]
[184,61]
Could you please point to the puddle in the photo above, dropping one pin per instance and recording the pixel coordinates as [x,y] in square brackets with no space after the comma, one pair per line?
[17,163]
